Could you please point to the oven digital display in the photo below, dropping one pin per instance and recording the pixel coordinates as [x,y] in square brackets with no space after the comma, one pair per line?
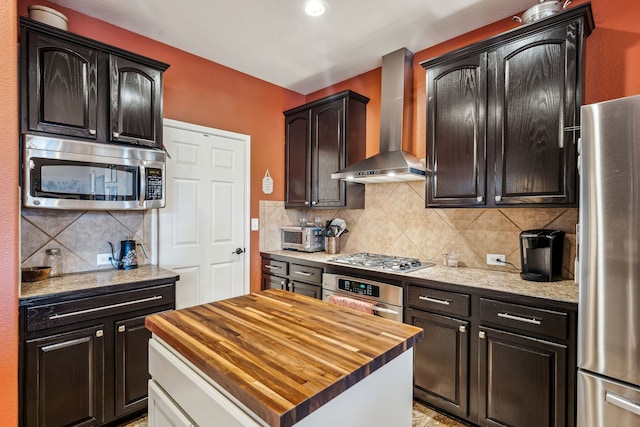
[360,288]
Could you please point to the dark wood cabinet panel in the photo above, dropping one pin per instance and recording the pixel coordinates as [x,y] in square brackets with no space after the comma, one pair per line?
[136,102]
[77,87]
[131,365]
[535,102]
[86,357]
[441,368]
[64,379]
[61,77]
[313,291]
[298,159]
[457,132]
[321,138]
[502,116]
[522,381]
[273,282]
[296,276]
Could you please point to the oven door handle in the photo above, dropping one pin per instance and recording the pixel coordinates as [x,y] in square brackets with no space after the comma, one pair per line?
[384,310]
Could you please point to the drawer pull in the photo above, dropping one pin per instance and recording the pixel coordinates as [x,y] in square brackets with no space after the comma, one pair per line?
[519,318]
[622,402]
[272,267]
[436,300]
[384,310]
[106,307]
[303,273]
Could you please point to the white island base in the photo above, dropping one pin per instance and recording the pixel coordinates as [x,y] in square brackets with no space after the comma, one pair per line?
[182,395]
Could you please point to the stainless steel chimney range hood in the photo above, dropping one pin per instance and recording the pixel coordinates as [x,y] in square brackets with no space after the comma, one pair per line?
[391,164]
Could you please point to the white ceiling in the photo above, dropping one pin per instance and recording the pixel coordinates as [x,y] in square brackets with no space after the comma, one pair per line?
[274,40]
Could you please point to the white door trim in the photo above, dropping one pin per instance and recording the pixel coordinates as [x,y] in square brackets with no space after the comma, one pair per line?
[246,140]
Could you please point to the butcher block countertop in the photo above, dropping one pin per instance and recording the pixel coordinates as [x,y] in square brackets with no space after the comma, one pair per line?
[282,354]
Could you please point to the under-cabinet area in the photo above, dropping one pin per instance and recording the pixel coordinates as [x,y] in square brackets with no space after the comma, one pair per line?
[84,345]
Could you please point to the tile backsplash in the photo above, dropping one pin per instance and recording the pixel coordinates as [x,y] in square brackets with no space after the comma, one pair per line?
[395,222]
[81,236]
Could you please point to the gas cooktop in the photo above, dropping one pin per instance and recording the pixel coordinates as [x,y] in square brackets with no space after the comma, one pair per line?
[381,262]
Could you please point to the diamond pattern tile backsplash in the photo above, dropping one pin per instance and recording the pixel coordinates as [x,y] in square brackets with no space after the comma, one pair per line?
[395,222]
[81,236]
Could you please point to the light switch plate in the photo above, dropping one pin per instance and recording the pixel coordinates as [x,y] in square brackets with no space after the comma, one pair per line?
[254,224]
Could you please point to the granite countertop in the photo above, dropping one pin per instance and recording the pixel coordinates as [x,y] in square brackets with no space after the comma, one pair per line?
[282,354]
[94,279]
[563,290]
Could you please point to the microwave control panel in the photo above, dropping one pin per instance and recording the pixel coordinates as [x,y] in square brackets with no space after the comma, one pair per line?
[154,184]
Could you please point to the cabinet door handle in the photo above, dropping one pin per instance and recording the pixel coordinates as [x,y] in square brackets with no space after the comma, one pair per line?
[462,329]
[384,310]
[92,131]
[106,307]
[480,199]
[314,203]
[436,300]
[122,328]
[520,318]
[481,334]
[622,402]
[272,267]
[306,203]
[498,198]
[302,273]
[99,333]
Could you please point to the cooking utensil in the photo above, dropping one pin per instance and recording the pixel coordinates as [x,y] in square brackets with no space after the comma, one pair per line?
[542,10]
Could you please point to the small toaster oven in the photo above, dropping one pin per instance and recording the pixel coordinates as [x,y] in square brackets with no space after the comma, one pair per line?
[303,239]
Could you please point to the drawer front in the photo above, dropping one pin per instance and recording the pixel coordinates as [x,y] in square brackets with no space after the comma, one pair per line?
[271,266]
[273,282]
[306,274]
[437,300]
[525,318]
[74,311]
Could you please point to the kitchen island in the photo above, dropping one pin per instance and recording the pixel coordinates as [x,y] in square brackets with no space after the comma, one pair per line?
[277,358]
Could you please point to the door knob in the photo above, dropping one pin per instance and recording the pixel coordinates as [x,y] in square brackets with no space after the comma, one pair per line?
[238,251]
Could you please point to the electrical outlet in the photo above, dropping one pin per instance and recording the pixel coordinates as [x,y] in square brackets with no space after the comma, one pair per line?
[103,259]
[496,259]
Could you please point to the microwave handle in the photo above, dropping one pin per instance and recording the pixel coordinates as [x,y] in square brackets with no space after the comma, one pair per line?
[143,184]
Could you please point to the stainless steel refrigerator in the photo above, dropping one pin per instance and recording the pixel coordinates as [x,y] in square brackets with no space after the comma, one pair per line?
[609,265]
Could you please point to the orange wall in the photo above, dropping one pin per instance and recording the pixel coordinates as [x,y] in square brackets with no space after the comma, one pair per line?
[208,94]
[8,216]
[612,61]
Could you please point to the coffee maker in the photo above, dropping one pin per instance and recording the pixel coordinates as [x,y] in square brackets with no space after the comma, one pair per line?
[541,255]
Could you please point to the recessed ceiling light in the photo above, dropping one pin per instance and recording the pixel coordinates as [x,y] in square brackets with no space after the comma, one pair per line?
[314,8]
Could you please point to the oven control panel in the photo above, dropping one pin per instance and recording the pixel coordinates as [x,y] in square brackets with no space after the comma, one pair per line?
[357,287]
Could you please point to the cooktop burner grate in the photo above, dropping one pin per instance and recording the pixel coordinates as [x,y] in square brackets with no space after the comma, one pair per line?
[381,262]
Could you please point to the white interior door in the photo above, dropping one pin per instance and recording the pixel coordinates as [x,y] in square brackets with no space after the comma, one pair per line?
[206,218]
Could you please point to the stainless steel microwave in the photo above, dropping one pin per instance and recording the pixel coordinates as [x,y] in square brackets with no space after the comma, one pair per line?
[304,239]
[78,175]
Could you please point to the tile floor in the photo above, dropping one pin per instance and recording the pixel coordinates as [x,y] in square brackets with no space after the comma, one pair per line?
[422,417]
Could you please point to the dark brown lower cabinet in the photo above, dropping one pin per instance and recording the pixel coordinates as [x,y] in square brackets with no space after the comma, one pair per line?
[441,370]
[313,291]
[131,365]
[85,357]
[64,379]
[522,380]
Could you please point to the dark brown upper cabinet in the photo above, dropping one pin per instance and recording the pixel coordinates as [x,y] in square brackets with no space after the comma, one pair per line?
[321,138]
[503,116]
[77,87]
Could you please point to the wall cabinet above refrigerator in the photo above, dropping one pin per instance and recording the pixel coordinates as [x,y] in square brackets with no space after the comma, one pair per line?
[502,116]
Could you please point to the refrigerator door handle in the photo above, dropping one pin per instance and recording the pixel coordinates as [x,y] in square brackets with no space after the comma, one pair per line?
[622,402]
